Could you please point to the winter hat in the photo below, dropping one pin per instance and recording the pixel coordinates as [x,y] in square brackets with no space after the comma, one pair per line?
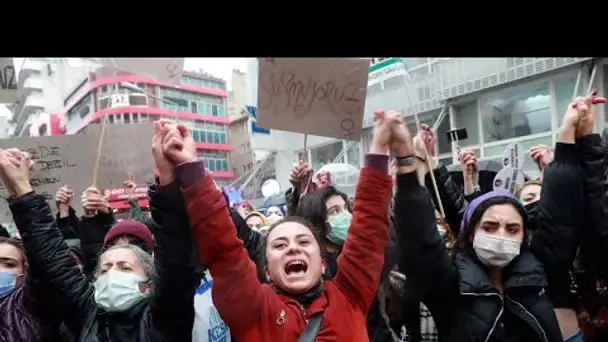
[132,228]
[481,200]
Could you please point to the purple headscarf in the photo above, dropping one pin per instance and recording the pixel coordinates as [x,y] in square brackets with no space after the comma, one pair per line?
[466,218]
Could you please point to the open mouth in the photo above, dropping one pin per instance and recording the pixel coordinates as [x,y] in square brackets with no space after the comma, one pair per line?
[296,267]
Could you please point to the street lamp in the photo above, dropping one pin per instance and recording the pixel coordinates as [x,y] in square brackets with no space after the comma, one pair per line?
[135,88]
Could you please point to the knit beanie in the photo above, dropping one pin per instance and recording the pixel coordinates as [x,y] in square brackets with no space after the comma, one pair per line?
[132,228]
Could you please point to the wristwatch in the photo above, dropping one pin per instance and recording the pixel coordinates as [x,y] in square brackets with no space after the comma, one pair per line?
[407,160]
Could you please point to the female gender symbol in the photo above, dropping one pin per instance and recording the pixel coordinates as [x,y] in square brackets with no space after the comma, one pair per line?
[347,125]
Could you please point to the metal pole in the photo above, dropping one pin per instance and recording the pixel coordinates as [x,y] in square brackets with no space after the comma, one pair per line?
[577,84]
[441,116]
[591,78]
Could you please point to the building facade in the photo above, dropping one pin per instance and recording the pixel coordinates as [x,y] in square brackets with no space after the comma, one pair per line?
[498,100]
[43,83]
[241,157]
[237,96]
[199,102]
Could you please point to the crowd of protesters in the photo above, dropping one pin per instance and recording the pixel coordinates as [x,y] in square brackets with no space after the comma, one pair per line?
[413,257]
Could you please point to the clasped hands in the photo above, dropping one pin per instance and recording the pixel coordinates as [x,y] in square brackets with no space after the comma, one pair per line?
[171,145]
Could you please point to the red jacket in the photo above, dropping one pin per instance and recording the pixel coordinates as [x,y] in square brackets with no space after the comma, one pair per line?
[252,310]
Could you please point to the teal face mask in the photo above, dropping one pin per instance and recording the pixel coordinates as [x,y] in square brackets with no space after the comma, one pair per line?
[339,227]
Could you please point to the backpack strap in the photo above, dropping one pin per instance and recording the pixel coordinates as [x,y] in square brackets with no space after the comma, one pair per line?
[312,328]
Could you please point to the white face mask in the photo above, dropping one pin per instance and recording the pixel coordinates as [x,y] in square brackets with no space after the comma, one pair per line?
[495,251]
[118,291]
[274,218]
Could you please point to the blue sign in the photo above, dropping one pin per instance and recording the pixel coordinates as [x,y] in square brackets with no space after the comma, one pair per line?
[234,195]
[253,113]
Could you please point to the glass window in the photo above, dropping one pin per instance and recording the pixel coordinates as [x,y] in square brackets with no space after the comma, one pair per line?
[214,110]
[394,82]
[325,154]
[443,144]
[225,165]
[466,117]
[193,107]
[564,89]
[516,113]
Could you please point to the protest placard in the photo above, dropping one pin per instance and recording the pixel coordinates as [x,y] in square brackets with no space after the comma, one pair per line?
[8,81]
[126,151]
[318,96]
[70,159]
[59,160]
[165,69]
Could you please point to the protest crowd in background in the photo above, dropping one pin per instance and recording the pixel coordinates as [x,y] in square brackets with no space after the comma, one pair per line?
[413,256]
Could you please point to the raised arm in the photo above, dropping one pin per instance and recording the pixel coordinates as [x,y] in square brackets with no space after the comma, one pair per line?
[240,298]
[362,257]
[172,305]
[44,245]
[561,206]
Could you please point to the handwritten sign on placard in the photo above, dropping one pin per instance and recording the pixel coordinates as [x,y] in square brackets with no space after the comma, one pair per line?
[59,160]
[8,81]
[126,150]
[319,96]
[165,69]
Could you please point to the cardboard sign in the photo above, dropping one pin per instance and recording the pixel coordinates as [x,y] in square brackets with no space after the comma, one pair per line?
[59,160]
[8,81]
[318,96]
[513,156]
[508,179]
[165,69]
[70,159]
[126,151]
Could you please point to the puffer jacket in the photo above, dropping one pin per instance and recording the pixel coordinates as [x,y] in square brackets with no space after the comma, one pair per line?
[25,315]
[165,316]
[457,291]
[450,195]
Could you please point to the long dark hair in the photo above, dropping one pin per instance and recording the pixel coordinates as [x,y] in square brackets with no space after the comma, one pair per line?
[312,207]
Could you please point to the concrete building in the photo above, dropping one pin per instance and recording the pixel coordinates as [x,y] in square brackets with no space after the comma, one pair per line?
[43,83]
[198,102]
[498,100]
[237,96]
[242,157]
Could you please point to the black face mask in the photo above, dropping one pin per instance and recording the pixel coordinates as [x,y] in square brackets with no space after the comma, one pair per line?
[532,211]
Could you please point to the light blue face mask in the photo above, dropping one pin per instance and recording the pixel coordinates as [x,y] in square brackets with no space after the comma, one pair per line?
[8,283]
[339,227]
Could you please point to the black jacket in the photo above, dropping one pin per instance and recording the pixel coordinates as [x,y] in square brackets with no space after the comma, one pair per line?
[594,158]
[464,303]
[450,195]
[92,231]
[166,316]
